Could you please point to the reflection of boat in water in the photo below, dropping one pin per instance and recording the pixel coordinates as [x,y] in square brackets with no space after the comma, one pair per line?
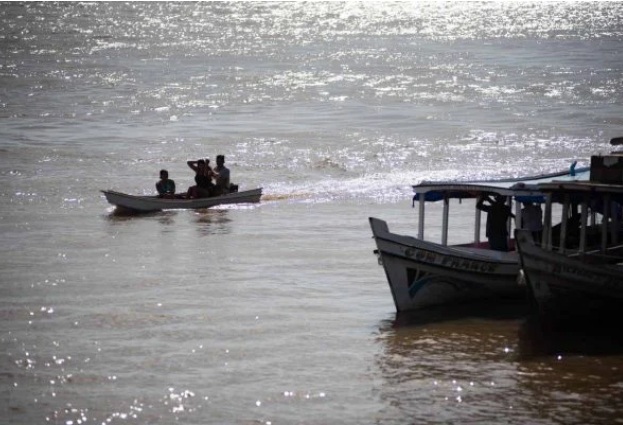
[470,369]
[484,310]
[423,273]
[442,371]
[137,203]
[538,338]
[575,272]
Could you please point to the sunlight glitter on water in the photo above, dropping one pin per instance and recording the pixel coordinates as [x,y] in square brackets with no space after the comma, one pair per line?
[336,109]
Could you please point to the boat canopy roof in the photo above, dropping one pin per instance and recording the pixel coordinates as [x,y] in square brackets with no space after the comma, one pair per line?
[578,191]
[523,189]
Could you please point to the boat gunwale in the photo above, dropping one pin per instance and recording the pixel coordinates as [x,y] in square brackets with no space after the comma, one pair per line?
[450,250]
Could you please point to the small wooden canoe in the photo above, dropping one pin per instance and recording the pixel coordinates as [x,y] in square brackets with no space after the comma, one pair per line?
[137,203]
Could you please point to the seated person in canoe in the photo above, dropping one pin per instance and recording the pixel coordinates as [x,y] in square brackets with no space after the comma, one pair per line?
[165,186]
[222,186]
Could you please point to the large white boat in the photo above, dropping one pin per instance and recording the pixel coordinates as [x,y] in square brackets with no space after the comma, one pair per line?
[137,203]
[423,273]
[575,272]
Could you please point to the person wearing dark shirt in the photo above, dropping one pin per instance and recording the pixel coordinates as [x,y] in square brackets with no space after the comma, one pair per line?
[498,214]
[165,186]
[203,179]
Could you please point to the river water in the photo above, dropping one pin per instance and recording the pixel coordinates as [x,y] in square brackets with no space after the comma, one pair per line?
[278,313]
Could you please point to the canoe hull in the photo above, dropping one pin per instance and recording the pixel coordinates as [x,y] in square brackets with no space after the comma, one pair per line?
[136,203]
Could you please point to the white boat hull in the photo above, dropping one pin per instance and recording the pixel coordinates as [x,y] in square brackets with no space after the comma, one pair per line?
[424,274]
[153,203]
[567,288]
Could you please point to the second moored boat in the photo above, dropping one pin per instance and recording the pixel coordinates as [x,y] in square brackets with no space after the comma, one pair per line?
[575,274]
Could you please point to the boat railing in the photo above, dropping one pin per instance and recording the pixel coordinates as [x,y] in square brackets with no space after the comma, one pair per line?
[612,255]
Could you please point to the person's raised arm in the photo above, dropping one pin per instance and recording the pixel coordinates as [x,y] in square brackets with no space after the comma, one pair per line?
[192,165]
[480,204]
[481,200]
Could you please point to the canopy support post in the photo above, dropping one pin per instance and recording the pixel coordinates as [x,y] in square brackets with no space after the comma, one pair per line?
[477,226]
[546,240]
[444,225]
[563,224]
[583,222]
[518,215]
[615,209]
[420,232]
[605,222]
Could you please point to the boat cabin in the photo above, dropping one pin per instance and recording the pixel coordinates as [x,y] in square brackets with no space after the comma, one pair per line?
[591,212]
[516,190]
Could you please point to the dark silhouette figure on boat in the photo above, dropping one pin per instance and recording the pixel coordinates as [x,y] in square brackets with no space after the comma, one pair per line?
[165,186]
[498,214]
[532,220]
[203,179]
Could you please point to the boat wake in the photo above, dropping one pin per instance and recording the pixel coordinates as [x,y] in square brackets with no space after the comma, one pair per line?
[391,187]
[286,196]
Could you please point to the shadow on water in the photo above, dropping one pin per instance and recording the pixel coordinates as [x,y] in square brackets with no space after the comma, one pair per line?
[490,310]
[213,221]
[209,221]
[118,216]
[446,363]
[535,336]
[538,337]
[436,362]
